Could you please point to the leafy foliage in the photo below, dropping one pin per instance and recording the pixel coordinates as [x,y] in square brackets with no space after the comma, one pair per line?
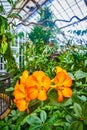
[50,115]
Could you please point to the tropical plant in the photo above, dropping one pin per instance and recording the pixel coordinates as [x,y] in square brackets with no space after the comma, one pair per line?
[6,37]
[40,35]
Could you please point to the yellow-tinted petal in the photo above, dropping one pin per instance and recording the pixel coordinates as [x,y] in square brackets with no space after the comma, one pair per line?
[32,93]
[22,105]
[22,88]
[59,69]
[60,77]
[39,75]
[42,96]
[18,94]
[16,85]
[24,76]
[46,82]
[30,81]
[60,96]
[68,82]
[67,92]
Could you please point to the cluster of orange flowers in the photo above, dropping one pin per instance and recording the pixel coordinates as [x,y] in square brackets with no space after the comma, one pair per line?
[36,85]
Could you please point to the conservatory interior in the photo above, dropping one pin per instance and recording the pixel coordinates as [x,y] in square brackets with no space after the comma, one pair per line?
[43,64]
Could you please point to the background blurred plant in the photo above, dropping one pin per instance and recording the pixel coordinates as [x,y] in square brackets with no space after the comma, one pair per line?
[6,37]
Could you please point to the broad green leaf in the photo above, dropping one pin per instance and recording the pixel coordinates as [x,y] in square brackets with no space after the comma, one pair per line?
[83,98]
[35,127]
[4,46]
[85,109]
[9,89]
[71,75]
[52,120]
[77,110]
[2,30]
[68,102]
[85,121]
[80,74]
[85,63]
[13,112]
[69,118]
[21,34]
[5,128]
[46,127]
[2,123]
[43,116]
[32,119]
[76,125]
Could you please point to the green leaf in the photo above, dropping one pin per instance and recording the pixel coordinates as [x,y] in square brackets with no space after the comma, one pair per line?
[46,127]
[80,74]
[85,109]
[69,118]
[1,9]
[9,89]
[2,30]
[76,125]
[13,112]
[85,64]
[21,34]
[71,75]
[85,121]
[2,123]
[35,127]
[77,110]
[68,102]
[4,46]
[32,119]
[83,98]
[10,1]
[43,116]
[5,128]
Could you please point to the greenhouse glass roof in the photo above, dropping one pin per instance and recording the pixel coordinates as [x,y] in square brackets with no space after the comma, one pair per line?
[70,16]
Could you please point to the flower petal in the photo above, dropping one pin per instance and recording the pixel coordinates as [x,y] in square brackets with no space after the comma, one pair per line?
[60,96]
[68,82]
[30,81]
[24,76]
[32,93]
[16,85]
[19,95]
[67,92]
[19,92]
[42,95]
[60,77]
[22,105]
[46,82]
[39,75]
[58,69]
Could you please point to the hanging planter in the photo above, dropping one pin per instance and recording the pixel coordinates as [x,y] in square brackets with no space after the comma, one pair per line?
[5,100]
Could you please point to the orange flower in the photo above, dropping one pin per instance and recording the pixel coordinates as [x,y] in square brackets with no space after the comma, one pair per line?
[37,85]
[21,104]
[59,69]
[24,76]
[21,99]
[63,82]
